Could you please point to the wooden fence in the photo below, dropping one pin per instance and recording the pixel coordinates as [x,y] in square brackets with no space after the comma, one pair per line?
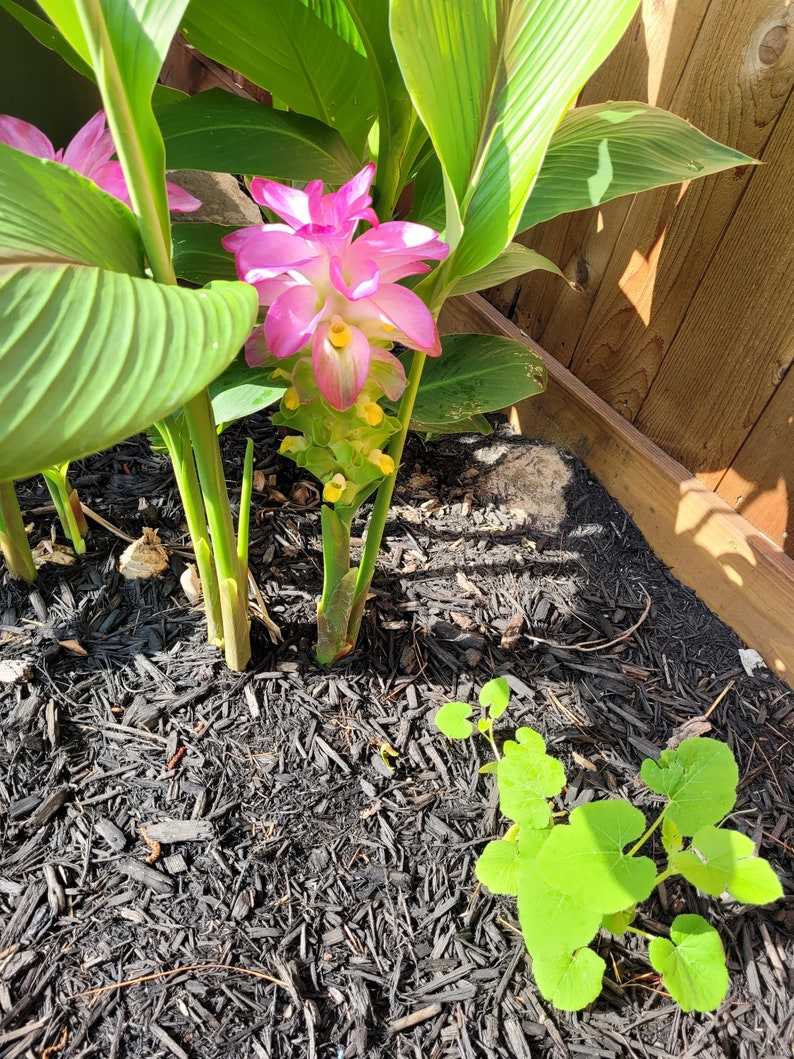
[684,322]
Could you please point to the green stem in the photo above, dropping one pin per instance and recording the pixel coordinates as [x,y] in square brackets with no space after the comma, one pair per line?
[383,498]
[339,586]
[14,543]
[433,291]
[641,933]
[664,875]
[184,467]
[641,842]
[146,183]
[244,518]
[144,171]
[233,584]
[57,483]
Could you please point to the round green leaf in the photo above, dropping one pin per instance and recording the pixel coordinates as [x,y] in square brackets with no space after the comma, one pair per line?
[570,981]
[474,374]
[495,696]
[503,863]
[585,857]
[527,778]
[699,778]
[692,964]
[553,922]
[721,860]
[88,357]
[497,866]
[451,720]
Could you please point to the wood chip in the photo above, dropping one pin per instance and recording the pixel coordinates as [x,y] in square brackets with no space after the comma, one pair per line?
[414,1018]
[170,831]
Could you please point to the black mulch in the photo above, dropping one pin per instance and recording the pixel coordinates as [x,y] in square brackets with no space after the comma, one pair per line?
[307,901]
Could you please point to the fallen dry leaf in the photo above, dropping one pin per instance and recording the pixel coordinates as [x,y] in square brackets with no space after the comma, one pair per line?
[145,557]
[49,552]
[74,646]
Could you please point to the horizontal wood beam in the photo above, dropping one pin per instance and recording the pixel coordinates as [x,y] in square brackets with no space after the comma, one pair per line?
[738,573]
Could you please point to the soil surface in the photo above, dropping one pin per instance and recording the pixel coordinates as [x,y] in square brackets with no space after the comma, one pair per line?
[280,863]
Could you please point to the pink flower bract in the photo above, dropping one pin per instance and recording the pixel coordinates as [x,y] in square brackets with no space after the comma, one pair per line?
[332,291]
[89,153]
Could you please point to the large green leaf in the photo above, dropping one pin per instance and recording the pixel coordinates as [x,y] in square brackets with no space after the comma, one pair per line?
[606,150]
[88,357]
[126,42]
[699,778]
[692,963]
[721,860]
[586,858]
[221,132]
[476,373]
[515,260]
[54,40]
[199,256]
[306,52]
[49,36]
[50,213]
[553,922]
[427,206]
[491,79]
[396,114]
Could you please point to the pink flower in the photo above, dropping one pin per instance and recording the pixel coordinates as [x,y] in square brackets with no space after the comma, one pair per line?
[89,153]
[335,292]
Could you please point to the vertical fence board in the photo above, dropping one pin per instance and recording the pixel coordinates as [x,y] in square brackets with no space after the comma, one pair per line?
[760,481]
[684,323]
[646,65]
[665,247]
[736,341]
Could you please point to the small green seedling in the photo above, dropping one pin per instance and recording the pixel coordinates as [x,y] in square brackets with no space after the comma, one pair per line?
[572,879]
